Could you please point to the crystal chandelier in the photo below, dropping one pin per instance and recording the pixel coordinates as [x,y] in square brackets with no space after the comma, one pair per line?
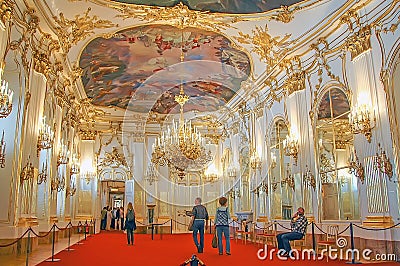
[151,174]
[45,138]
[182,145]
[361,120]
[6,95]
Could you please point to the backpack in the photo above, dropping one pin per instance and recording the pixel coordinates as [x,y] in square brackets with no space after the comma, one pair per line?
[130,216]
[222,218]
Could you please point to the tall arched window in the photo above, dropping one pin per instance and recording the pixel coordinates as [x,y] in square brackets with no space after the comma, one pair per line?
[281,187]
[334,145]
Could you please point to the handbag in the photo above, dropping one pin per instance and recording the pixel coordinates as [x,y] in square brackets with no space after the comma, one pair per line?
[214,242]
[190,226]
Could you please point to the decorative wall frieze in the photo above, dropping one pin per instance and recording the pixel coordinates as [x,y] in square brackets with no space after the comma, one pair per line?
[71,31]
[179,16]
[359,42]
[270,49]
[113,159]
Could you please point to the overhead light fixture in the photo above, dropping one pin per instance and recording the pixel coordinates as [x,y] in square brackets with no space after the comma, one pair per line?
[182,146]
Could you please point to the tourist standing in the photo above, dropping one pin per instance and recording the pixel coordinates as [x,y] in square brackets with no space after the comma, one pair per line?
[109,218]
[221,222]
[130,224]
[103,218]
[200,216]
[121,213]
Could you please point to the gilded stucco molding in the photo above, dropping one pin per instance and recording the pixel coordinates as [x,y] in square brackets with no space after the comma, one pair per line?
[359,42]
[285,14]
[71,31]
[180,16]
[87,134]
[270,49]
[5,12]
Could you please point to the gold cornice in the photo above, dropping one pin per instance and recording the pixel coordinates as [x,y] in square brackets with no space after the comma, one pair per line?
[71,31]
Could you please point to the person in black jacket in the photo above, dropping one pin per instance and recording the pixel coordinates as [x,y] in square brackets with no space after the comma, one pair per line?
[130,224]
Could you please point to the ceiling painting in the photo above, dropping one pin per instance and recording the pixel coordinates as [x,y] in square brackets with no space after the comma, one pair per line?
[140,66]
[219,6]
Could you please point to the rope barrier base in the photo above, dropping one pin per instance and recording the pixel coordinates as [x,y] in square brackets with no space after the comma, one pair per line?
[52,260]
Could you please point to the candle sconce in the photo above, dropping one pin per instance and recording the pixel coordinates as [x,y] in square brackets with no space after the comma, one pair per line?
[309,178]
[45,138]
[2,152]
[382,163]
[28,172]
[356,167]
[42,177]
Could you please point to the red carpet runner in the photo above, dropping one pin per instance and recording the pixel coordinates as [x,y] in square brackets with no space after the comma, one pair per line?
[112,249]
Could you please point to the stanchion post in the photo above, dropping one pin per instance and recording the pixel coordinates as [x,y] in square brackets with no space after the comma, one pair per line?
[27,247]
[85,228]
[52,245]
[171,226]
[313,237]
[353,260]
[69,238]
[210,225]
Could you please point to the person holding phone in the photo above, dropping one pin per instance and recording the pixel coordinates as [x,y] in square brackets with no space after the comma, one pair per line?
[298,230]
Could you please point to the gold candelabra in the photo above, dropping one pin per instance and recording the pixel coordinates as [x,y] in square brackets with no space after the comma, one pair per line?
[63,155]
[45,138]
[291,146]
[263,187]
[255,161]
[382,163]
[6,96]
[42,177]
[234,193]
[151,174]
[362,121]
[309,178]
[231,172]
[273,160]
[75,165]
[28,171]
[289,179]
[71,190]
[88,176]
[210,177]
[356,167]
[58,183]
[2,152]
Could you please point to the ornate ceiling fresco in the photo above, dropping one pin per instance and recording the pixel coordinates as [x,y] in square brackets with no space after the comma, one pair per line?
[135,68]
[221,6]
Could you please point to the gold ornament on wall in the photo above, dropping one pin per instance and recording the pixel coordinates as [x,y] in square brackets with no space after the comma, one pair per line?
[5,13]
[270,49]
[71,31]
[28,171]
[382,162]
[356,167]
